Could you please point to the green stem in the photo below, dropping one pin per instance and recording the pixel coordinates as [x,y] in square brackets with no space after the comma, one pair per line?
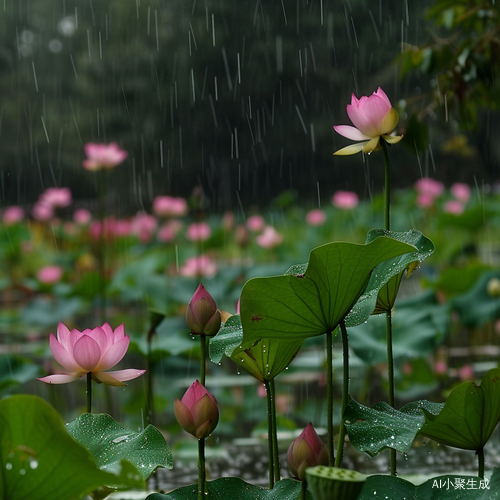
[329,397]
[201,469]
[203,345]
[270,443]
[345,394]
[101,181]
[480,462]
[149,382]
[390,370]
[89,392]
[276,458]
[303,490]
[387,192]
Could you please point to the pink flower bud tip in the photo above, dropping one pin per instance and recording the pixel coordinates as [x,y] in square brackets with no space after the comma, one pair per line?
[202,315]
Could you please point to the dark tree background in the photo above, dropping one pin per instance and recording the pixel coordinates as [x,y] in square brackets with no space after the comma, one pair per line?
[238,97]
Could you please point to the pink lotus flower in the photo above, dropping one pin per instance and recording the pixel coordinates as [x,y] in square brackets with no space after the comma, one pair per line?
[103,156]
[82,216]
[198,231]
[43,212]
[316,217]
[169,231]
[453,207]
[373,117]
[49,274]
[424,200]
[269,238]
[466,373]
[197,267]
[12,215]
[429,186]
[202,315]
[90,351]
[197,412]
[255,223]
[144,226]
[168,206]
[460,192]
[306,451]
[345,200]
[56,197]
[440,367]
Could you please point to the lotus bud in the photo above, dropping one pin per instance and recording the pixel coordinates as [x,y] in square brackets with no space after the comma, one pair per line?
[306,451]
[197,412]
[202,315]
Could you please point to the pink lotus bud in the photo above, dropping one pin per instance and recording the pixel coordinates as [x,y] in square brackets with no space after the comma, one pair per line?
[49,274]
[197,412]
[198,231]
[453,207]
[345,200]
[82,216]
[424,200]
[316,217]
[101,156]
[255,223]
[198,267]
[12,214]
[202,315]
[427,185]
[306,451]
[460,192]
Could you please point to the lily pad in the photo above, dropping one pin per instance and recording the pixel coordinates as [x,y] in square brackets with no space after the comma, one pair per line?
[469,416]
[235,488]
[385,279]
[38,455]
[295,307]
[264,360]
[374,429]
[110,442]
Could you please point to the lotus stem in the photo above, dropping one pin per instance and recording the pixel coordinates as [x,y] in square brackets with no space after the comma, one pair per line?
[480,462]
[270,442]
[101,181]
[149,381]
[345,393]
[303,490]
[276,459]
[329,397]
[390,369]
[203,345]
[387,191]
[89,392]
[201,469]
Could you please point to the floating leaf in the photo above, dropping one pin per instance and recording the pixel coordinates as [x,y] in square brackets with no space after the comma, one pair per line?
[469,416]
[305,305]
[385,279]
[263,360]
[374,429]
[110,442]
[39,459]
[235,488]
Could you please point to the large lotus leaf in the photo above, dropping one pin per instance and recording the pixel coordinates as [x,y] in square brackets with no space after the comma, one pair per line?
[469,416]
[449,487]
[234,488]
[305,305]
[374,429]
[263,360]
[481,304]
[39,459]
[383,285]
[418,327]
[110,442]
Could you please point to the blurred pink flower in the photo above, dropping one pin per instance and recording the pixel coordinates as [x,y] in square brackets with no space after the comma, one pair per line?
[144,226]
[424,200]
[169,230]
[41,211]
[12,214]
[82,216]
[269,238]
[198,231]
[49,274]
[112,228]
[345,200]
[316,217]
[168,206]
[466,373]
[198,267]
[255,223]
[440,367]
[103,156]
[373,118]
[90,351]
[56,197]
[228,221]
[460,192]
[429,186]
[453,207]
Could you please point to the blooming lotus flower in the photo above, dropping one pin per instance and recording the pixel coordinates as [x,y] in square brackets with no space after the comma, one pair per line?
[198,266]
[306,451]
[202,315]
[49,274]
[373,117]
[345,200]
[198,231]
[429,186]
[103,156]
[169,206]
[197,412]
[12,215]
[90,351]
[269,238]
[316,217]
[255,223]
